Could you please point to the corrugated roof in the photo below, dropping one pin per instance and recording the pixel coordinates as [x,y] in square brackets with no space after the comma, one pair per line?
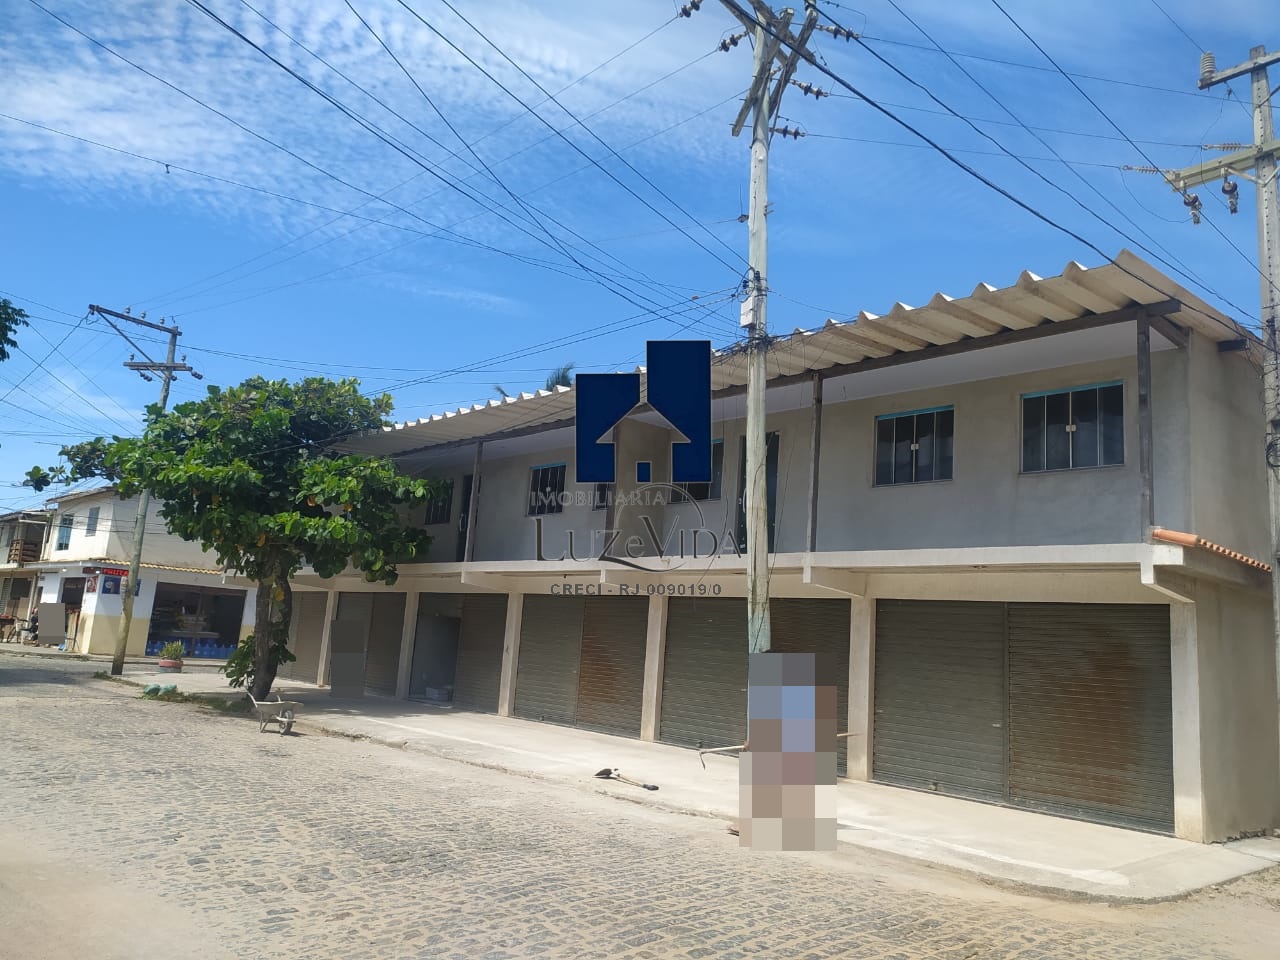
[1193,540]
[1031,301]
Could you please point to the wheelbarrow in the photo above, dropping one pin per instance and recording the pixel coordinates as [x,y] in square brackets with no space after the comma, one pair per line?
[274,711]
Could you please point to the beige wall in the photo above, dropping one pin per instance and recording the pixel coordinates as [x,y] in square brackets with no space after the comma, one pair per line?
[1207,464]
[1239,741]
[1226,449]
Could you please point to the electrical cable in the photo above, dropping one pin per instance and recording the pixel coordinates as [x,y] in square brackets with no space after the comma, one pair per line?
[1256,266]
[438,231]
[612,284]
[577,122]
[1186,270]
[1017,201]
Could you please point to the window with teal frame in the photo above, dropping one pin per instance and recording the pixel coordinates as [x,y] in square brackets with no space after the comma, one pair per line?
[914,447]
[1073,429]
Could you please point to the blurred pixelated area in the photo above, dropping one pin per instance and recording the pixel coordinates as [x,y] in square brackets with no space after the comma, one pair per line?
[787,773]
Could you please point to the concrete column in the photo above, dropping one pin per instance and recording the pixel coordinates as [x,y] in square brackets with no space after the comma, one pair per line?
[1188,773]
[326,631]
[655,654]
[862,653]
[510,654]
[408,634]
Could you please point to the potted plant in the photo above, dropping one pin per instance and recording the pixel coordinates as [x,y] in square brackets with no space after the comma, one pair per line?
[171,657]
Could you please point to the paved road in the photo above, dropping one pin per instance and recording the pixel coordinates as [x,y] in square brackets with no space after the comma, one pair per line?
[140,829]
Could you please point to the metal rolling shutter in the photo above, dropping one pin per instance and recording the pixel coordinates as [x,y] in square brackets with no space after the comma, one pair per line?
[308,624]
[382,657]
[818,626]
[704,680]
[1090,711]
[550,648]
[940,696]
[479,670]
[611,678]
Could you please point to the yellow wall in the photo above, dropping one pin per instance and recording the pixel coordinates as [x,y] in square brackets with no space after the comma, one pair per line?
[98,635]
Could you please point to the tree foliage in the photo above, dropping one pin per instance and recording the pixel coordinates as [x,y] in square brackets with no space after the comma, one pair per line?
[11,318]
[252,473]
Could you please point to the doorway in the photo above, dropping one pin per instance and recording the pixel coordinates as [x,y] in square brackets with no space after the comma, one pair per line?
[435,648]
[73,600]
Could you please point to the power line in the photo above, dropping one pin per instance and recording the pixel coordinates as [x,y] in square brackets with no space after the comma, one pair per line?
[524,205]
[1186,270]
[1018,123]
[415,176]
[613,285]
[982,153]
[438,231]
[1117,128]
[1044,218]
[1033,66]
[76,393]
[570,142]
[1199,49]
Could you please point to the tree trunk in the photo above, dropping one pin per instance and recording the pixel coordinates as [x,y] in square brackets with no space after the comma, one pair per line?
[271,619]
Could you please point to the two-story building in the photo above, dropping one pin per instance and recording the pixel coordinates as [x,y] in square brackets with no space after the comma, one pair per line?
[22,535]
[183,594]
[1028,526]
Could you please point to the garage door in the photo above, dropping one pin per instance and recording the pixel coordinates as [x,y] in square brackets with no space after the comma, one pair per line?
[704,678]
[382,656]
[611,673]
[550,644]
[939,697]
[479,670]
[304,641]
[1059,707]
[822,627]
[1090,711]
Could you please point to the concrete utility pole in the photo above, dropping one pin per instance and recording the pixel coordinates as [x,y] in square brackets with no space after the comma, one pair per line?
[774,43]
[166,371]
[1261,159]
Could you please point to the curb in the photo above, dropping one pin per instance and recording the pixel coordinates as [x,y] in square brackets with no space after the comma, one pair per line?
[397,743]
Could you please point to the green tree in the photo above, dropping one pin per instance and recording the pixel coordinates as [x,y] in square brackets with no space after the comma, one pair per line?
[11,318]
[252,473]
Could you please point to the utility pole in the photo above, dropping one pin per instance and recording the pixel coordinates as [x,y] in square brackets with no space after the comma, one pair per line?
[777,52]
[1261,159]
[167,370]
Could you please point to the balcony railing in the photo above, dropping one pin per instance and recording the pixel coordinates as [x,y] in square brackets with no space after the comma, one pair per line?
[24,551]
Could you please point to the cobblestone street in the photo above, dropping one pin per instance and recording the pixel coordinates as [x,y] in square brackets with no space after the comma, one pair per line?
[315,847]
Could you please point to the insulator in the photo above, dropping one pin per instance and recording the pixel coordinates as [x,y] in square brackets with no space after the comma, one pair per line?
[1232,190]
[1208,65]
[689,9]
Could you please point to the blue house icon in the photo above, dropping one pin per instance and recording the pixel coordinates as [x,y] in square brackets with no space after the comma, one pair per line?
[679,390]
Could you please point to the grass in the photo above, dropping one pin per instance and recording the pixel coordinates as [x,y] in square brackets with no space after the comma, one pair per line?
[218,703]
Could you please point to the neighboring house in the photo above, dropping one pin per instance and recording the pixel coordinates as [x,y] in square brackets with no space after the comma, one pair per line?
[999,516]
[183,592]
[22,536]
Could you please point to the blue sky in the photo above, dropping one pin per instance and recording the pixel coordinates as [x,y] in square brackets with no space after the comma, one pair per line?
[488,248]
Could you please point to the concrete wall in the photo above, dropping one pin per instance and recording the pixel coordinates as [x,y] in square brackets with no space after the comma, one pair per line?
[504,529]
[100,614]
[114,537]
[1226,449]
[1239,755]
[1208,472]
[990,502]
[444,536]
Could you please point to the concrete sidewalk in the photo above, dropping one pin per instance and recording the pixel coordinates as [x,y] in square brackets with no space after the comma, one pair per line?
[1053,854]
